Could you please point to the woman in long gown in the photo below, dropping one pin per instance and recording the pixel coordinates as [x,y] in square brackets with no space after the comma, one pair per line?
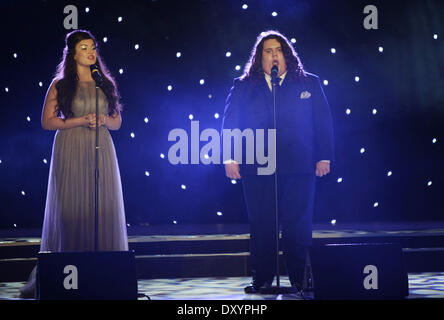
[69,108]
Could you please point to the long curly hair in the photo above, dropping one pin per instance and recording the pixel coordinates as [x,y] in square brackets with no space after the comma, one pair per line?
[253,69]
[67,77]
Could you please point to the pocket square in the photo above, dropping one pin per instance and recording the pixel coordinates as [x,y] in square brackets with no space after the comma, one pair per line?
[305,95]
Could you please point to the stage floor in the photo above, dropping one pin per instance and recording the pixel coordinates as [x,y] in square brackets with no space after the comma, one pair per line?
[426,285]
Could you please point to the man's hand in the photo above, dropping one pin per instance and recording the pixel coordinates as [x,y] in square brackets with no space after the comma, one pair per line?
[322,168]
[232,170]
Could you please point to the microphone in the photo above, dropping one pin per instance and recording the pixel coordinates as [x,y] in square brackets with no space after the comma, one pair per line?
[274,73]
[95,73]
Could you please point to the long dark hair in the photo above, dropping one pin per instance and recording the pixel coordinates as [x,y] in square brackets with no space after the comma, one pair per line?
[67,77]
[253,69]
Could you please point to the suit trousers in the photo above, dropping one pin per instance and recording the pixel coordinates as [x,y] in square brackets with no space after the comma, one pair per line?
[296,194]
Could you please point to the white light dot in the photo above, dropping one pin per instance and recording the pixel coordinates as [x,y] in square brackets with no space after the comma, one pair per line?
[40,84]
[210,96]
[233,181]
[28,119]
[434,140]
[0,161]
[170,87]
[15,55]
[228,54]
[132,135]
[128,225]
[293,40]
[333,50]
[435,36]
[178,54]
[174,221]
[325,82]
[162,155]
[374,111]
[389,174]
[202,81]
[274,14]
[146,120]
[347,111]
[357,79]
[216,115]
[333,222]
[375,204]
[381,49]
[86,9]
[339,180]
[15,225]
[136,46]
[238,67]
[45,161]
[219,213]
[120,71]
[119,19]
[362,150]
[23,193]
[147,173]
[429,183]
[245,6]
[191,117]
[183,187]
[105,39]
[7,89]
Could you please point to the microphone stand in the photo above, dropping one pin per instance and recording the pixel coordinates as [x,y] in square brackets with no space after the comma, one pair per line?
[276,289]
[96,174]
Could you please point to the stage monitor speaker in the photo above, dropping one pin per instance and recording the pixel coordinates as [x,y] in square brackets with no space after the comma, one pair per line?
[359,271]
[104,275]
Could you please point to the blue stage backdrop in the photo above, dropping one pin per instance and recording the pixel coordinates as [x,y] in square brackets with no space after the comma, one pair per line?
[174,63]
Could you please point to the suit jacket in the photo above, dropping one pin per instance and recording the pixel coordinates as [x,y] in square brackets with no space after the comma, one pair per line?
[304,126]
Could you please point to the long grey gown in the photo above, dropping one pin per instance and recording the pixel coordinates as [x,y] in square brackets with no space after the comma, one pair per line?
[69,211]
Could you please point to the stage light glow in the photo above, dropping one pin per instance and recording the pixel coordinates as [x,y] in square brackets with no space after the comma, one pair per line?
[40,84]
[183,187]
[45,161]
[339,180]
[216,115]
[23,193]
[191,117]
[429,183]
[132,135]
[381,49]
[201,81]
[162,155]
[325,82]
[86,9]
[356,79]
[376,204]
[238,67]
[362,150]
[348,111]
[233,181]
[15,225]
[174,221]
[228,54]
[274,14]
[333,222]
[105,39]
[146,120]
[147,173]
[15,55]
[434,140]
[7,89]
[245,6]
[170,87]
[435,36]
[210,96]
[293,40]
[333,50]
[374,111]
[178,54]
[28,119]
[121,71]
[389,174]
[219,213]
[119,19]
[136,46]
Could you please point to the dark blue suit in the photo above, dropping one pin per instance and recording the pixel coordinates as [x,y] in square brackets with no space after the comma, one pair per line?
[304,136]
